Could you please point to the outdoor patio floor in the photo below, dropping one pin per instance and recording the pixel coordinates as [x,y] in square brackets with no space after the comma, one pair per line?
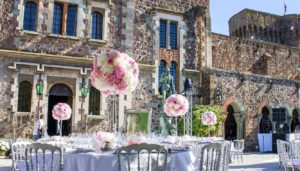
[257,162]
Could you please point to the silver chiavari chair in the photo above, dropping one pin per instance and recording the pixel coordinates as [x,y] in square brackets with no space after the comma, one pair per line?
[18,153]
[135,151]
[35,151]
[211,157]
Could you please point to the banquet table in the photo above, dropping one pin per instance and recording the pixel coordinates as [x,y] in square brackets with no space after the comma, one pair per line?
[95,161]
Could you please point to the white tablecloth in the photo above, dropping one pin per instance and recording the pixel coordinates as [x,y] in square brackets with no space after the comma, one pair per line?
[92,161]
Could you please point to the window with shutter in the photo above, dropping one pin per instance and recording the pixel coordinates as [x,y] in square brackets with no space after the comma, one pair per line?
[173,35]
[57,18]
[173,67]
[94,101]
[24,97]
[30,18]
[97,22]
[72,20]
[163,34]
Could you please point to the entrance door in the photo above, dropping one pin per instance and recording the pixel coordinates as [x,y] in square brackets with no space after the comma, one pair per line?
[230,125]
[59,93]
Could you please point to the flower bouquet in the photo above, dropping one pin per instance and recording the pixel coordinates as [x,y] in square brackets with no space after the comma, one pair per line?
[4,148]
[209,118]
[104,141]
[60,112]
[176,105]
[136,138]
[114,72]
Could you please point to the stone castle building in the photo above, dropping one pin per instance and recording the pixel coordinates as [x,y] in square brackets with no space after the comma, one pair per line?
[252,73]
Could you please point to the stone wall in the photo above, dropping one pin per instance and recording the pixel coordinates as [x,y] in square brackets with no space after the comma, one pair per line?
[261,26]
[248,96]
[245,56]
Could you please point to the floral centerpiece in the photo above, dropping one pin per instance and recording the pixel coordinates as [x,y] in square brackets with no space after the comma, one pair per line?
[4,148]
[61,111]
[136,138]
[114,72]
[176,105]
[104,140]
[209,118]
[172,140]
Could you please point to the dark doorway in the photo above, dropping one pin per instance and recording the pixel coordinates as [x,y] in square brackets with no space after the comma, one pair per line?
[230,125]
[59,93]
[295,121]
[265,124]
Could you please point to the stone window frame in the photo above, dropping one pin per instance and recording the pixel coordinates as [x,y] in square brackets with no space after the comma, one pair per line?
[65,3]
[100,11]
[21,14]
[181,31]
[36,15]
[103,8]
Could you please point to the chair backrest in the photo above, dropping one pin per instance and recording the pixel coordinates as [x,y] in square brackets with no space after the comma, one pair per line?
[278,141]
[295,148]
[284,152]
[139,150]
[226,146]
[33,153]
[239,145]
[18,152]
[211,157]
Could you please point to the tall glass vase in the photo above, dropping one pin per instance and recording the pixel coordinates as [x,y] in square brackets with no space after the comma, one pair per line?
[60,129]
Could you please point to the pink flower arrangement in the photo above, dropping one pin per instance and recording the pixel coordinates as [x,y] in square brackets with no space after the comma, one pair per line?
[61,111]
[114,72]
[102,139]
[136,138]
[209,118]
[176,105]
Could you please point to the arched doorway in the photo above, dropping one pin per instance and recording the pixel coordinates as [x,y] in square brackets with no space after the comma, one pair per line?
[265,125]
[295,120]
[230,124]
[59,93]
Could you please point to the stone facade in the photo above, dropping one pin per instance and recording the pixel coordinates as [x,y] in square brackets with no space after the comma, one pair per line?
[128,25]
[253,75]
[261,26]
[235,70]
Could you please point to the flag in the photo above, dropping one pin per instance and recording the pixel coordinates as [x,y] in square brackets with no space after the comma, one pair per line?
[285,8]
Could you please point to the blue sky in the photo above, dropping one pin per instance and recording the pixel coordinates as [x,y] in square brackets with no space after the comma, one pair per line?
[222,10]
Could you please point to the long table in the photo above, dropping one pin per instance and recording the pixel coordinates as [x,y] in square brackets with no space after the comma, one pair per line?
[94,161]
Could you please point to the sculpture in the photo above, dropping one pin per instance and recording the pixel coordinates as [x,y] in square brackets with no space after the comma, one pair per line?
[167,82]
[168,88]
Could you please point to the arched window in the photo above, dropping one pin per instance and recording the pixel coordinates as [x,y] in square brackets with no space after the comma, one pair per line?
[30,16]
[94,101]
[97,22]
[161,70]
[173,67]
[265,125]
[24,96]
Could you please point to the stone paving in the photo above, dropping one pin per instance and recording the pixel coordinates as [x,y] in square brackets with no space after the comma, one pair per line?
[257,162]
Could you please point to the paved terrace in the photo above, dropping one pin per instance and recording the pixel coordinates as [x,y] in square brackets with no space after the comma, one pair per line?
[257,162]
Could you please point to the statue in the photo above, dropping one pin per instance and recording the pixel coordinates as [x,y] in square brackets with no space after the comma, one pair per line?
[168,88]
[167,84]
